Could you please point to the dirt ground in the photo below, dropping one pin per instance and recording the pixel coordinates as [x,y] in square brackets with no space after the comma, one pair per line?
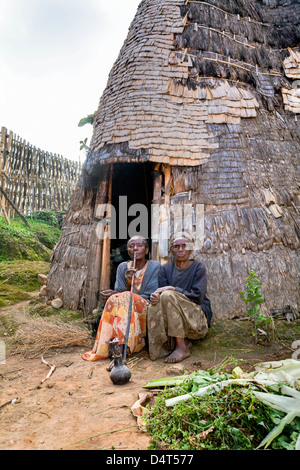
[79,408]
[79,401]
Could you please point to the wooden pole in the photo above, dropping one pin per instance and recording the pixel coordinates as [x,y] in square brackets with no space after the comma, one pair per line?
[157,192]
[105,262]
[15,207]
[92,291]
[3,159]
[129,311]
[5,214]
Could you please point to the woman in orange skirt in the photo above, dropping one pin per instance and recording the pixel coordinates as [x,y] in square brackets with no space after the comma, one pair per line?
[113,323]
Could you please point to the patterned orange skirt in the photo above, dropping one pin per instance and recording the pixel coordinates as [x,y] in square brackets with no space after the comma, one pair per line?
[113,324]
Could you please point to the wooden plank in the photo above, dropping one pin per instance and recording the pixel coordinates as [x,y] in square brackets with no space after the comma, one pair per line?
[2,162]
[32,178]
[94,257]
[15,208]
[105,262]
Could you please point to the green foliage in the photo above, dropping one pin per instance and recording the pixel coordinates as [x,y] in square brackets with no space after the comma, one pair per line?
[18,241]
[48,217]
[83,144]
[87,120]
[18,278]
[254,297]
[232,419]
[24,253]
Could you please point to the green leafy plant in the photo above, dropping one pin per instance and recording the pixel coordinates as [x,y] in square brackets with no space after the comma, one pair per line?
[254,297]
[230,420]
[87,120]
[214,410]
[48,217]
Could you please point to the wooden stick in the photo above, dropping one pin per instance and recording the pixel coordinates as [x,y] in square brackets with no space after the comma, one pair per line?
[5,213]
[15,207]
[105,268]
[95,251]
[10,402]
[52,369]
[3,160]
[129,312]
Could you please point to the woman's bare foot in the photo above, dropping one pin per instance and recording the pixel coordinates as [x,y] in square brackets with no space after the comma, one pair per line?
[94,350]
[180,352]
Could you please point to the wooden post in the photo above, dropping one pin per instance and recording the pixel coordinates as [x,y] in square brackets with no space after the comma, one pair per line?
[157,191]
[95,250]
[5,214]
[3,157]
[105,262]
[5,181]
[15,208]
[168,181]
[33,179]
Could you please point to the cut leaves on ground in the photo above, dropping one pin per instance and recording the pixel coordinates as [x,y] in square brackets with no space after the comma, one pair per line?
[229,413]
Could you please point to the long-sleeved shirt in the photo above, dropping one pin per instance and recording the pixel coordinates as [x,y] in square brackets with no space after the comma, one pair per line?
[191,281]
[149,282]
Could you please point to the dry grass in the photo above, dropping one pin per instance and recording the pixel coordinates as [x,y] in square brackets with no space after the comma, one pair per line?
[33,336]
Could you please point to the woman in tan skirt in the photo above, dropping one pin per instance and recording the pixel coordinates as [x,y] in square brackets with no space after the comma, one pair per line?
[179,310]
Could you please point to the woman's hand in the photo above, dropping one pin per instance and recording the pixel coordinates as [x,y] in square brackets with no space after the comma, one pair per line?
[129,273]
[162,289]
[105,294]
[154,297]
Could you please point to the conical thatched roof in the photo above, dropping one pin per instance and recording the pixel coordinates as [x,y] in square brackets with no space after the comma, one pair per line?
[209,92]
[188,64]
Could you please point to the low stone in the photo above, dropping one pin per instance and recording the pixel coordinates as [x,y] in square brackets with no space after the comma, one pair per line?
[176,369]
[57,303]
[42,278]
[43,291]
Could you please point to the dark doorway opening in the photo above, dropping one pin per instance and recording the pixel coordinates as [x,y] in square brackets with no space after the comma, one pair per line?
[132,194]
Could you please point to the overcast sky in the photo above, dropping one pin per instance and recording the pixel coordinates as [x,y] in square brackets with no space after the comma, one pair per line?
[55,58]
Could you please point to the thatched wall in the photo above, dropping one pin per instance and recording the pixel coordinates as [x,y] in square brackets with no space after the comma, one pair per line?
[208,92]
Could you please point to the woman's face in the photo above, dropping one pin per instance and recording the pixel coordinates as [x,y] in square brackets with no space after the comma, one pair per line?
[137,245]
[181,249]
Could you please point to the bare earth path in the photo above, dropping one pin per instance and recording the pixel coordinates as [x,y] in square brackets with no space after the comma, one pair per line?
[77,402]
[79,407]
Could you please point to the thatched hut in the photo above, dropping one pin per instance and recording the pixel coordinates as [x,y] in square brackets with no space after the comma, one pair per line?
[200,110]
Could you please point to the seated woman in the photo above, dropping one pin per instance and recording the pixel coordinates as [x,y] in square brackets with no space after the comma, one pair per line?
[113,323]
[179,308]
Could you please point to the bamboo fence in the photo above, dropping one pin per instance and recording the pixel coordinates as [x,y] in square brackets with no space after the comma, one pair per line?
[32,179]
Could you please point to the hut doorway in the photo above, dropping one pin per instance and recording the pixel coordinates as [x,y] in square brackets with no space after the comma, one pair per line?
[131,199]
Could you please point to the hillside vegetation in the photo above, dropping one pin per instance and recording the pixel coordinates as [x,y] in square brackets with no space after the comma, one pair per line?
[25,252]
[18,241]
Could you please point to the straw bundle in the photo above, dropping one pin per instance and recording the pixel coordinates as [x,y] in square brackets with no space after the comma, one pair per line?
[34,336]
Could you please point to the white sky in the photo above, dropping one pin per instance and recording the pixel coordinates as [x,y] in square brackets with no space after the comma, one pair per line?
[55,57]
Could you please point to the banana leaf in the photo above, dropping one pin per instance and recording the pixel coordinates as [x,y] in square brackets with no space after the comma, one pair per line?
[279,402]
[288,366]
[297,447]
[166,381]
[287,404]
[279,428]
[216,387]
[201,378]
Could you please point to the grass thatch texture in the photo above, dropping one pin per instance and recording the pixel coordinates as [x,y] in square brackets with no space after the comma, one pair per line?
[33,336]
